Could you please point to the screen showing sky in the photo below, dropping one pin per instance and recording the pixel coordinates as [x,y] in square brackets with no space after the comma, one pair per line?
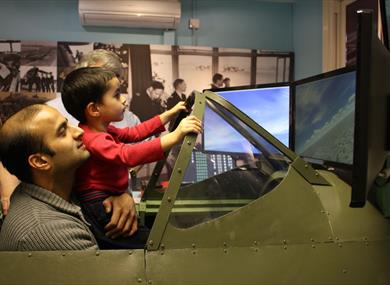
[269,107]
[324,118]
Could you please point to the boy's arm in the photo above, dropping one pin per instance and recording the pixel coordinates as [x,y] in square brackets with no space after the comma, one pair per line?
[138,132]
[149,127]
[104,147]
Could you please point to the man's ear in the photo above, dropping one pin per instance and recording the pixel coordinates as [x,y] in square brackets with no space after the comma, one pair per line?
[92,110]
[39,161]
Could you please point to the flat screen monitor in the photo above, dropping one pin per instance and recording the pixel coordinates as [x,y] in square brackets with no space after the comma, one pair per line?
[323,116]
[268,105]
[371,139]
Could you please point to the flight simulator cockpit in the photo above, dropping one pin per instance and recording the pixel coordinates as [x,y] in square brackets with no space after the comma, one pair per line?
[223,169]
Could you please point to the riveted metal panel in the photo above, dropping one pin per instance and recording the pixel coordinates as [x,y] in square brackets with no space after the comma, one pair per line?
[72,267]
[316,263]
[348,223]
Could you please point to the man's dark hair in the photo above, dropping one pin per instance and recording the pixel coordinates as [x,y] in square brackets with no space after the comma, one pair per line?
[157,85]
[217,77]
[83,86]
[19,141]
[177,82]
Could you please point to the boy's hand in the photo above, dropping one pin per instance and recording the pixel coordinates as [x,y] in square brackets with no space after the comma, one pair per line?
[181,106]
[170,114]
[124,217]
[190,124]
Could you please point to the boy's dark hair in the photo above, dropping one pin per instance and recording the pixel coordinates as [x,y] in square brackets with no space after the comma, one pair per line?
[217,77]
[177,82]
[83,86]
[19,143]
[157,85]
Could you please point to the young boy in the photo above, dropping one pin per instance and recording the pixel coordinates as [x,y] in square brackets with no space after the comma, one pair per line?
[92,96]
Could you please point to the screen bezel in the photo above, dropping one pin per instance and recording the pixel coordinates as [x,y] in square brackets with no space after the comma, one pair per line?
[383,15]
[314,78]
[372,111]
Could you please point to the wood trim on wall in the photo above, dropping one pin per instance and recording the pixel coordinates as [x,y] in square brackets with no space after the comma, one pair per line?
[330,34]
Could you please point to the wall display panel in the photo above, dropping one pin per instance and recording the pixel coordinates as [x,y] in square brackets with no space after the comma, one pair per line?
[237,69]
[197,75]
[161,58]
[266,71]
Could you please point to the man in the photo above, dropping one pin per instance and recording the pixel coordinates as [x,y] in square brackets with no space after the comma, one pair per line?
[40,148]
[148,105]
[178,95]
[217,81]
[32,77]
[226,82]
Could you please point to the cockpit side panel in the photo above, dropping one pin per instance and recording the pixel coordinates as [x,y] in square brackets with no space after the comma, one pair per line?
[351,224]
[291,212]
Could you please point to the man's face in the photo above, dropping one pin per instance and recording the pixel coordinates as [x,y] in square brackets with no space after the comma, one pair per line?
[182,87]
[156,94]
[62,138]
[219,83]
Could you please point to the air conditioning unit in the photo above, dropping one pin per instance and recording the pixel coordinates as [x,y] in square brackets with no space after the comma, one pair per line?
[162,14]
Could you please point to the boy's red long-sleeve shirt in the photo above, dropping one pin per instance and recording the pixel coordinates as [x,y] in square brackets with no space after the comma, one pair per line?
[106,170]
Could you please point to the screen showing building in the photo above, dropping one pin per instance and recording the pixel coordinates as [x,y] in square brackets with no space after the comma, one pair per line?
[324,118]
[205,165]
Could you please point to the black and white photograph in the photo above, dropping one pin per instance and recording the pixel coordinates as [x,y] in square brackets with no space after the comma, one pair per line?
[12,102]
[68,55]
[9,65]
[161,61]
[38,53]
[38,79]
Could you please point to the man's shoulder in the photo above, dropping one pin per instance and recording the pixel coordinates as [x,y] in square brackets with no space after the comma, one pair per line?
[30,222]
[25,212]
[21,220]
